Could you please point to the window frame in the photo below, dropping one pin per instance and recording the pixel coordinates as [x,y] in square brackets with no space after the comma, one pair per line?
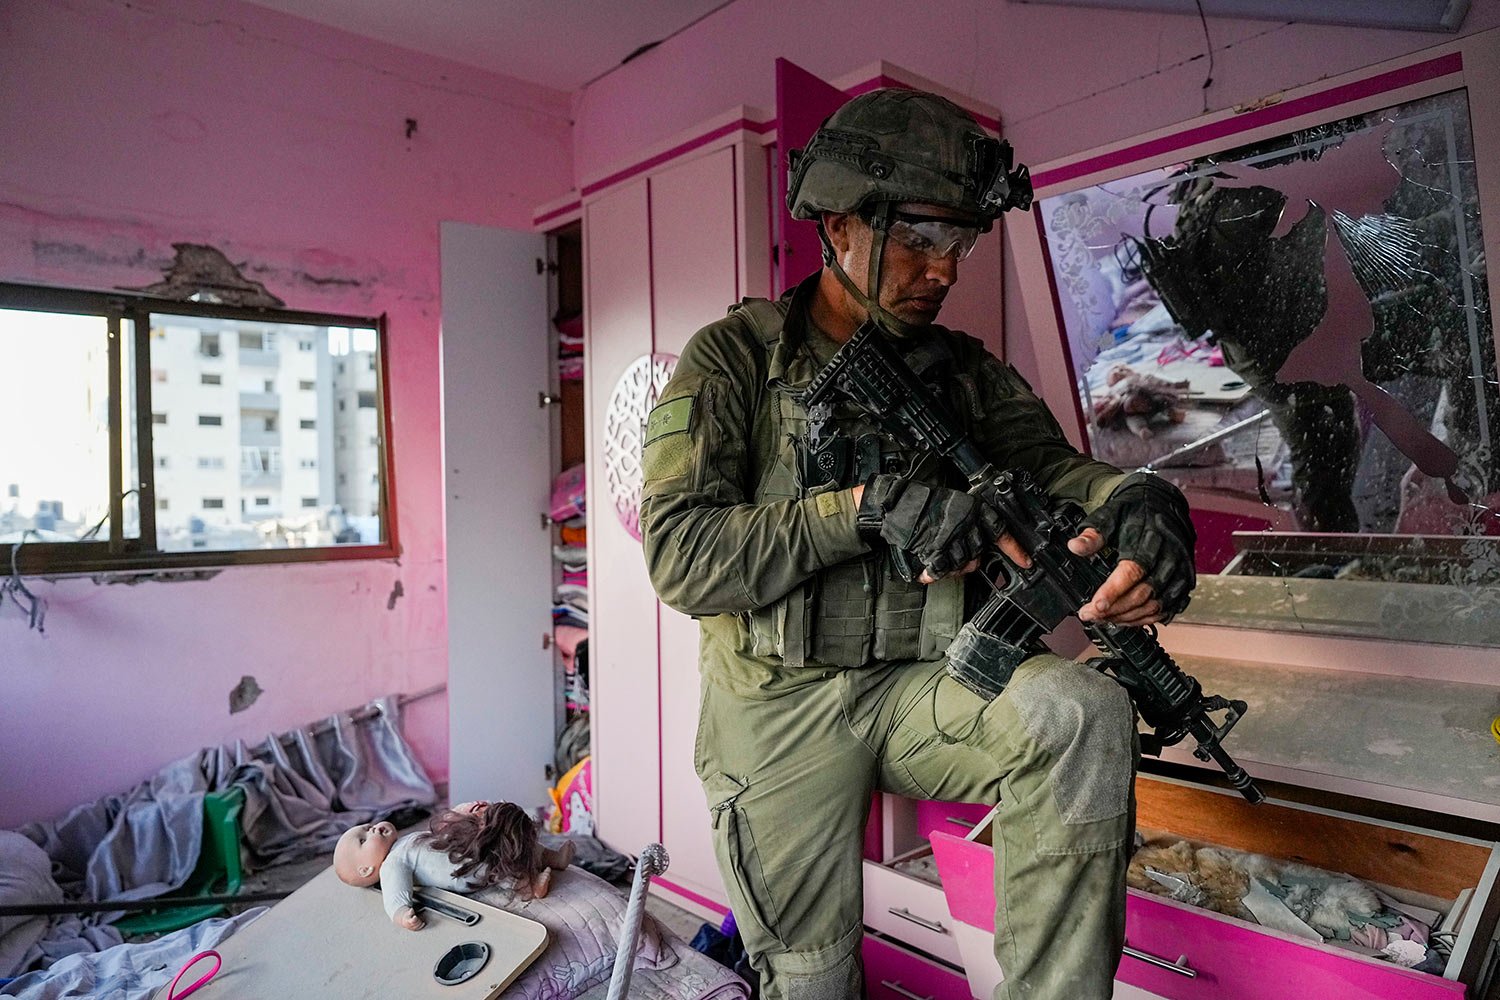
[118,553]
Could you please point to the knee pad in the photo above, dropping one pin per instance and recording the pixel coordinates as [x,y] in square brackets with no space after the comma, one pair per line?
[1085,721]
[813,976]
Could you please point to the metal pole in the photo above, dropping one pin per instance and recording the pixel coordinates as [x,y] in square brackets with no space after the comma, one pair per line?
[135,905]
[1204,442]
[653,861]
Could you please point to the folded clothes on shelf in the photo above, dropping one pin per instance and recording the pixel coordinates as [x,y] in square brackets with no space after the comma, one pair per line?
[573,555]
[568,494]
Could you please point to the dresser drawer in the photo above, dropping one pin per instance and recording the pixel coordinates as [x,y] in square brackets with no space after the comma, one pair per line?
[1225,958]
[909,909]
[894,973]
[957,818]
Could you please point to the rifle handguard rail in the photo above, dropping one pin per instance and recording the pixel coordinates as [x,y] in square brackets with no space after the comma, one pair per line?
[1008,628]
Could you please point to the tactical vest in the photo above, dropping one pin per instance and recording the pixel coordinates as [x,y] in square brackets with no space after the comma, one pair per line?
[860,610]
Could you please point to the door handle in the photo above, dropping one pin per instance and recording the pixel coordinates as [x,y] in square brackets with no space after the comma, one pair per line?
[1180,966]
[898,988]
[906,914]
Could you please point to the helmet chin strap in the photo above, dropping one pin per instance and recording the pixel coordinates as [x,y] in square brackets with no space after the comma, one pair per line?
[882,316]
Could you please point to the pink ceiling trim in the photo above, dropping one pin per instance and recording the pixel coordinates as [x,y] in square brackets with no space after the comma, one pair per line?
[993,124]
[1406,76]
[760,128]
[571,206]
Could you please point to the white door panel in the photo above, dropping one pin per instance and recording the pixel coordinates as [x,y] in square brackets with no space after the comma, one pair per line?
[496,471]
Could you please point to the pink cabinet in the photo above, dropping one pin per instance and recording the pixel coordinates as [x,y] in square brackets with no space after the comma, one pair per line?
[896,973]
[1181,952]
[666,251]
[624,700]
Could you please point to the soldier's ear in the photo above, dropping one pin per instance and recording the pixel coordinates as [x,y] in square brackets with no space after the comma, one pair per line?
[839,227]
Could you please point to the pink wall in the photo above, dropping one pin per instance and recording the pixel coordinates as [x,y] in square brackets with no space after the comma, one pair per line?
[1064,79]
[126,127]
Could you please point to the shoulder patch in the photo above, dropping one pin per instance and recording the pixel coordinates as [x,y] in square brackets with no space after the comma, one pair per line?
[672,417]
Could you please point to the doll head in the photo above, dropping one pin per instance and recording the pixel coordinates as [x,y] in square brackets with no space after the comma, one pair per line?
[490,841]
[361,850]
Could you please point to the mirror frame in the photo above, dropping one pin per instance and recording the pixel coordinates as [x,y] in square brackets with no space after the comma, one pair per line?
[1471,64]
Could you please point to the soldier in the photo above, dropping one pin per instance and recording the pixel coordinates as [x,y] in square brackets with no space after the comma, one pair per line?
[823,671]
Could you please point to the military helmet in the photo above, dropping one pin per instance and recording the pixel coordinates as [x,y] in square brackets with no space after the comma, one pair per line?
[904,145]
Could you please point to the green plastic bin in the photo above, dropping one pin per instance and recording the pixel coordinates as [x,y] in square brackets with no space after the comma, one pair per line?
[217,872]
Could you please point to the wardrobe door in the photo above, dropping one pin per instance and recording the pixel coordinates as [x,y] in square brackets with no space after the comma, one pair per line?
[622,606]
[694,213]
[495,458]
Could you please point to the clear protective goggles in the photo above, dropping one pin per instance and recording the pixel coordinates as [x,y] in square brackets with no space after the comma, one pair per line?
[933,235]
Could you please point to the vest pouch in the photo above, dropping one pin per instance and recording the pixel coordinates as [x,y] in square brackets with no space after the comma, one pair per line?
[914,621]
[942,617]
[843,633]
[790,616]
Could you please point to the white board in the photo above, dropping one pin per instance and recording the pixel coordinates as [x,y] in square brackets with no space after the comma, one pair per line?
[331,940]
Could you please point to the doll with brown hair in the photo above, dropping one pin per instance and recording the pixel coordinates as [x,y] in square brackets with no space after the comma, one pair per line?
[469,847]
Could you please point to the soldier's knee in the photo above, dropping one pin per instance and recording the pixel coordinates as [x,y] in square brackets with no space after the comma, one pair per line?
[826,974]
[1085,721]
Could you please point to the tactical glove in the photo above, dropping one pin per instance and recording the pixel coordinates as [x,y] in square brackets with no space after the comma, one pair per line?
[1146,521]
[943,530]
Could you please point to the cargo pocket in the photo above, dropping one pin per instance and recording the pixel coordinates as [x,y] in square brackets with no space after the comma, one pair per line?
[734,847]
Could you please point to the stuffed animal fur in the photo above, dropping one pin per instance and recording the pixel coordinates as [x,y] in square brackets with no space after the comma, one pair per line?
[1340,909]
[1210,876]
[1219,879]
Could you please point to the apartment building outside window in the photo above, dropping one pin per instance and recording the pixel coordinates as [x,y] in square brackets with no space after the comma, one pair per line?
[250,479]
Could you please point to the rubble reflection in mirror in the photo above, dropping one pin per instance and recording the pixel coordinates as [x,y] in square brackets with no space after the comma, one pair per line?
[1298,332]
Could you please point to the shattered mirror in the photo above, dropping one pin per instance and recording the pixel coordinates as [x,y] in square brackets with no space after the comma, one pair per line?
[1298,333]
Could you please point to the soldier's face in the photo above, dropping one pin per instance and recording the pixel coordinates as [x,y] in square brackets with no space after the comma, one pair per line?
[913,284]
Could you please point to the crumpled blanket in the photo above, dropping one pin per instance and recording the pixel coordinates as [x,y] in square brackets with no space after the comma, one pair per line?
[26,877]
[696,978]
[146,842]
[583,915]
[128,971]
[590,854]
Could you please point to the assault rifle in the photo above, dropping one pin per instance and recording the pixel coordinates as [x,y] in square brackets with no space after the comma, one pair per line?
[1009,627]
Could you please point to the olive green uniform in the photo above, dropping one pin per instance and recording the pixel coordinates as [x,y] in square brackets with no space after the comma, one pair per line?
[823,671]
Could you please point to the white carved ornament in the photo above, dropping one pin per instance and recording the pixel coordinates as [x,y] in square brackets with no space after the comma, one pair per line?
[625,429]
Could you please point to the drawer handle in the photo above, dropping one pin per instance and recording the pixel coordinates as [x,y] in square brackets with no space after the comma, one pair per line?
[898,988]
[1180,966]
[960,822]
[906,914]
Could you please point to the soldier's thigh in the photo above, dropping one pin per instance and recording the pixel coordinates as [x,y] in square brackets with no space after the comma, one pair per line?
[939,740]
[942,741]
[788,789]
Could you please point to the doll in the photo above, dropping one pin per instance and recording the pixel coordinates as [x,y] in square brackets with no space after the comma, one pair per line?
[469,847]
[1135,399]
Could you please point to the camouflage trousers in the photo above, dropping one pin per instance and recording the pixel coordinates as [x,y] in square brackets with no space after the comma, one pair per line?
[789,774]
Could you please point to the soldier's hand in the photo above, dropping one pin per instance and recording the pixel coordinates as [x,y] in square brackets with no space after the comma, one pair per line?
[1125,598]
[1146,520]
[945,531]
[1004,543]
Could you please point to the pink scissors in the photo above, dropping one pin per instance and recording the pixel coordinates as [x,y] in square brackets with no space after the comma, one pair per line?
[172,993]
